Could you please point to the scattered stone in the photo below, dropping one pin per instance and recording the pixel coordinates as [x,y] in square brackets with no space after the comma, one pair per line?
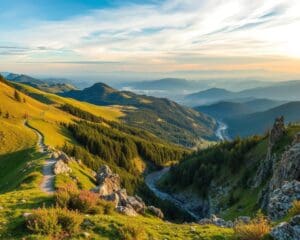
[287,231]
[26,215]
[23,201]
[128,211]
[60,168]
[156,211]
[86,234]
[214,220]
[242,219]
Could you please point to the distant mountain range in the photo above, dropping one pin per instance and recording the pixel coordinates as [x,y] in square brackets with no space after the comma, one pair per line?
[224,109]
[161,116]
[259,122]
[286,91]
[39,84]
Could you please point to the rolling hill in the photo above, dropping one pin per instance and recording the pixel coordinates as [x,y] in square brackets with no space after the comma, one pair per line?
[262,121]
[162,117]
[40,84]
[224,109]
[281,91]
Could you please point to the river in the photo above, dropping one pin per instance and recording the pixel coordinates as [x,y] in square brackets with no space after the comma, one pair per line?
[152,178]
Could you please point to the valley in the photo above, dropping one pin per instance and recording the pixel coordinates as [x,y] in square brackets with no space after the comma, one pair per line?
[67,145]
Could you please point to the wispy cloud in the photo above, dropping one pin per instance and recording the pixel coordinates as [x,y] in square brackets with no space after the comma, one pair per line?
[143,36]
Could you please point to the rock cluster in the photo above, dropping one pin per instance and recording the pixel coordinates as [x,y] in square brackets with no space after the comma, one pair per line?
[287,230]
[61,168]
[108,183]
[281,199]
[61,164]
[109,189]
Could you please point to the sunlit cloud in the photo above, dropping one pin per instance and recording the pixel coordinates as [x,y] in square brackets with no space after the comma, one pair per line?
[169,36]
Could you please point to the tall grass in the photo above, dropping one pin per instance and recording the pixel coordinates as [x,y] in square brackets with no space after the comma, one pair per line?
[255,230]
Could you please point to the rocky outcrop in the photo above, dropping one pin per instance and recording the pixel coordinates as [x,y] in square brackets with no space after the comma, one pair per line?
[277,131]
[288,168]
[109,189]
[282,198]
[60,167]
[287,230]
[283,185]
[108,182]
[266,166]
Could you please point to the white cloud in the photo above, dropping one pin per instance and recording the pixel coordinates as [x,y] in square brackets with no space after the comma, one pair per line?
[145,34]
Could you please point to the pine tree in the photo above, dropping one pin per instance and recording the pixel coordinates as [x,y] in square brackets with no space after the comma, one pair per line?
[17,96]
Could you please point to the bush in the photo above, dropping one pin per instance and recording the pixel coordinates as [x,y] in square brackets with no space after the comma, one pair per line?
[132,232]
[54,222]
[82,200]
[295,210]
[103,207]
[69,220]
[257,229]
[64,195]
[44,221]
[85,201]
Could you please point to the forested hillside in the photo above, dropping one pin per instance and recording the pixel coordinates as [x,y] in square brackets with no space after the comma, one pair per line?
[162,117]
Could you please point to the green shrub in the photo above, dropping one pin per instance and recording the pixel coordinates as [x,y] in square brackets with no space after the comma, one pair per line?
[132,232]
[69,220]
[44,221]
[64,195]
[55,222]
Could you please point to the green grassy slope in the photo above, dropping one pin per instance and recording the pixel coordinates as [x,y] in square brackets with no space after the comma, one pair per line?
[21,176]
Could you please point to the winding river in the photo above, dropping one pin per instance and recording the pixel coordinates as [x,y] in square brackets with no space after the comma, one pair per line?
[152,178]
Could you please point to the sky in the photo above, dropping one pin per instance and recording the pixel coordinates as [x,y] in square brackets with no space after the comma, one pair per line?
[132,39]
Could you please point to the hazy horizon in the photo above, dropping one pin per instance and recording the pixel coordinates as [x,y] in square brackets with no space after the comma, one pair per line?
[148,40]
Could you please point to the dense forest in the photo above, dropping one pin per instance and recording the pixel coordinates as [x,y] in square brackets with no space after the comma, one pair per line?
[200,168]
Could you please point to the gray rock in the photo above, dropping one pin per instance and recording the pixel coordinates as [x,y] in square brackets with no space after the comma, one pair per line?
[282,199]
[60,167]
[108,182]
[128,211]
[156,211]
[287,231]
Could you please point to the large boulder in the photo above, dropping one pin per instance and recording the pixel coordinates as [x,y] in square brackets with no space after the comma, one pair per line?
[136,203]
[60,167]
[128,211]
[287,230]
[156,211]
[282,198]
[108,182]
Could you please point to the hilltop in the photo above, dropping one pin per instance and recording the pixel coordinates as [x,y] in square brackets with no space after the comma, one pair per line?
[40,84]
[225,109]
[260,122]
[162,117]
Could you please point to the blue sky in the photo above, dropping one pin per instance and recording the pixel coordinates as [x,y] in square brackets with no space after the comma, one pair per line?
[151,39]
